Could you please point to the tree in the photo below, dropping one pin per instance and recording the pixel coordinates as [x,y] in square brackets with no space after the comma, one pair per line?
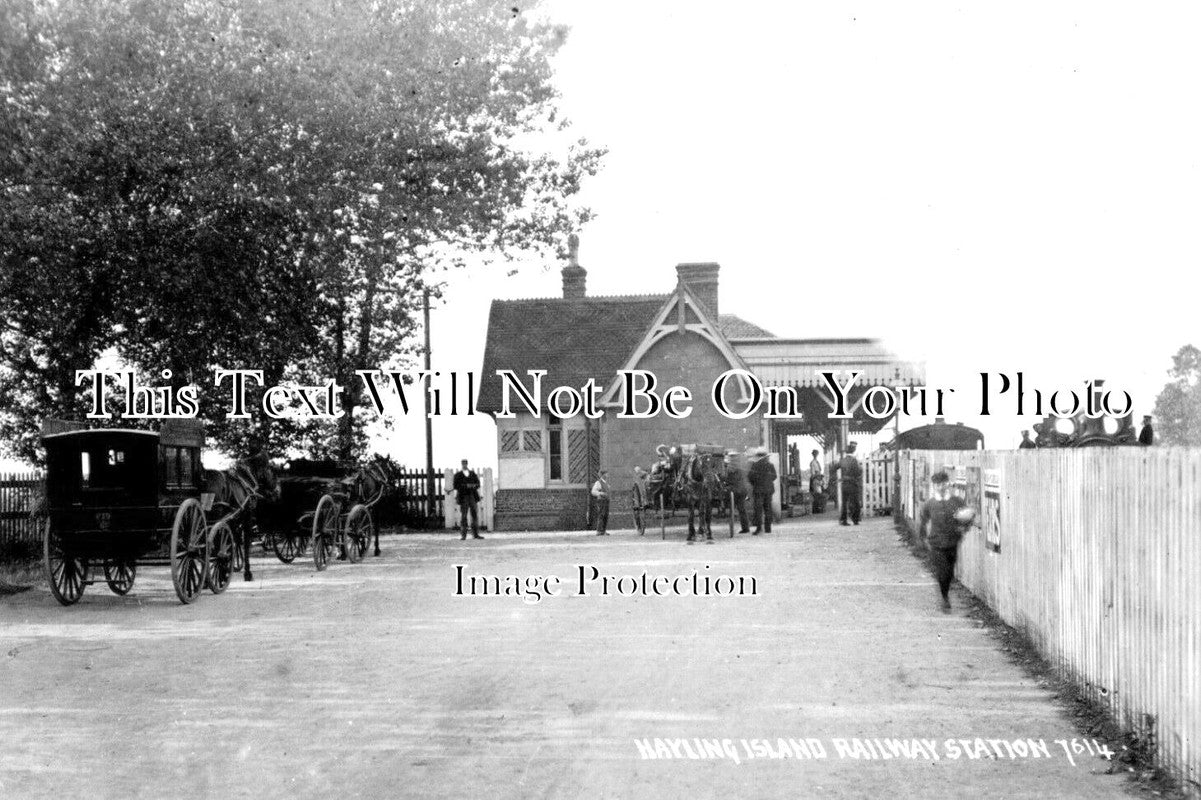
[1178,407]
[266,184]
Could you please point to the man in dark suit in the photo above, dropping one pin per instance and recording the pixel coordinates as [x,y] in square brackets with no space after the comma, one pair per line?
[850,473]
[1146,436]
[762,476]
[467,493]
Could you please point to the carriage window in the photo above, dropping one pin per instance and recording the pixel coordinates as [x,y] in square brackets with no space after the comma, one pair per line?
[186,470]
[556,448]
[116,457]
[85,468]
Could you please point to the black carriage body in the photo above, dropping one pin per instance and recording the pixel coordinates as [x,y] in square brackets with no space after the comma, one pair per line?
[114,493]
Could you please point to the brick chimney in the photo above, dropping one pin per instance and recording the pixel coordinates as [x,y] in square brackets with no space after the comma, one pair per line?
[574,276]
[701,280]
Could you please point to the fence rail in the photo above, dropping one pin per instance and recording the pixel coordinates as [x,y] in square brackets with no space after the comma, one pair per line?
[17,495]
[1096,555]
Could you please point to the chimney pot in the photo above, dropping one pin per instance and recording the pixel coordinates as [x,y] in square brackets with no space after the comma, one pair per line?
[701,280]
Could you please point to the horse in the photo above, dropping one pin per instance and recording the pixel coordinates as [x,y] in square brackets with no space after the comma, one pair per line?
[697,484]
[373,482]
[236,491]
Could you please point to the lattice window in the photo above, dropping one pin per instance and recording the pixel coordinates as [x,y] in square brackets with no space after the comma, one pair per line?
[532,441]
[577,456]
[510,441]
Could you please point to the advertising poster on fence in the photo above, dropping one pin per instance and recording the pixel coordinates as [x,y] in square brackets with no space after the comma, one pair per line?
[992,509]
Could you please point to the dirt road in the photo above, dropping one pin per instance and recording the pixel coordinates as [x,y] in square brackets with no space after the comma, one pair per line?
[375,681]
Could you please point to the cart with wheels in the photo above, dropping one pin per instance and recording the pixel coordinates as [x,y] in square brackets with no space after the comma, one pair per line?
[119,499]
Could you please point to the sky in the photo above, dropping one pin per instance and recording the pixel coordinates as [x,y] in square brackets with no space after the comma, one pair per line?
[987,187]
[992,188]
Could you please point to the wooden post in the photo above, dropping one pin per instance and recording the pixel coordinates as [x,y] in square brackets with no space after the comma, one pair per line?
[431,502]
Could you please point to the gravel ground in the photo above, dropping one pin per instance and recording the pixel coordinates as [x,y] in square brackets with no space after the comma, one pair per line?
[376,681]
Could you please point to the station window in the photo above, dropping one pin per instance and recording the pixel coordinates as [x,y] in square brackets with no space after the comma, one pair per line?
[555,437]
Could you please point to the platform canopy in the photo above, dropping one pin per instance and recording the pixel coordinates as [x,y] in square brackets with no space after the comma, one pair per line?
[799,363]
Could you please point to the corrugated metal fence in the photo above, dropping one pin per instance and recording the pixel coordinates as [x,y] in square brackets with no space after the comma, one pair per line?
[17,495]
[1096,555]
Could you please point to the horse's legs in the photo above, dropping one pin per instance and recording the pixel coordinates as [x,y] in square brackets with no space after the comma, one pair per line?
[375,529]
[691,524]
[245,530]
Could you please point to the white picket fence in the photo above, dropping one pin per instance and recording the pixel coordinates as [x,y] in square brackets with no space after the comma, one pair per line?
[1096,555]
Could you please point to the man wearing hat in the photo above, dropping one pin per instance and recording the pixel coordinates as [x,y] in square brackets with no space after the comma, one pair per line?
[850,473]
[466,487]
[762,477]
[1146,436]
[739,487]
[600,491]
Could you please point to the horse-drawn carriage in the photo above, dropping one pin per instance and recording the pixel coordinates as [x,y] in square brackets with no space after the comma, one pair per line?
[692,477]
[120,499]
[311,513]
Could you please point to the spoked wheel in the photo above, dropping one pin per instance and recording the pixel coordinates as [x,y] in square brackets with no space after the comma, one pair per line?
[636,507]
[287,545]
[224,557]
[358,533]
[239,560]
[67,574]
[119,575]
[662,518]
[325,532]
[189,551]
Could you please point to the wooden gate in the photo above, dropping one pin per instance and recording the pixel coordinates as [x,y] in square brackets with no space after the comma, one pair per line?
[17,496]
[878,471]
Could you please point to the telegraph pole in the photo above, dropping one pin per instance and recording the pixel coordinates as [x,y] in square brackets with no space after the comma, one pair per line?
[431,503]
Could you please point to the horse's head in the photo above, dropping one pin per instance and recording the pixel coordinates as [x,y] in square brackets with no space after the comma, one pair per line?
[258,467]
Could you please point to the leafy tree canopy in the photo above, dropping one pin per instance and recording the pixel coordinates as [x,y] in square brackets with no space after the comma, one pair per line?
[1178,407]
[262,184]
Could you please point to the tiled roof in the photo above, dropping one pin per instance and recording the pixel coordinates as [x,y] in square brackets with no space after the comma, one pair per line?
[734,327]
[573,340]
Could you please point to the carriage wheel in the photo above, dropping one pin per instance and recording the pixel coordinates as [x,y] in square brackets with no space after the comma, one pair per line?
[239,560]
[325,531]
[119,575]
[636,507]
[287,546]
[662,518]
[224,557]
[66,574]
[358,533]
[189,551]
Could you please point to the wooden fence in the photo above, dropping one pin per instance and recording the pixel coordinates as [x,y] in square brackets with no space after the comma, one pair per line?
[17,492]
[878,469]
[1096,555]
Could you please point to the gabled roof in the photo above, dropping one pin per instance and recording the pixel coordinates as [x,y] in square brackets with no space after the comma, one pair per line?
[573,340]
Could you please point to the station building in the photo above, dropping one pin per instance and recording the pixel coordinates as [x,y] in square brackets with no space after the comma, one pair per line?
[547,465]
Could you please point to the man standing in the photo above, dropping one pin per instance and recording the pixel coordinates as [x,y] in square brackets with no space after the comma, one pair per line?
[467,492]
[1026,444]
[739,488]
[948,518]
[762,476]
[817,483]
[600,491]
[850,473]
[1146,437]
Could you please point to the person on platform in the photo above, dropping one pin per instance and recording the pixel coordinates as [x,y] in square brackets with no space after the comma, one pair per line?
[817,483]
[1027,443]
[947,518]
[739,488]
[467,493]
[850,474]
[762,476]
[600,493]
[1146,437]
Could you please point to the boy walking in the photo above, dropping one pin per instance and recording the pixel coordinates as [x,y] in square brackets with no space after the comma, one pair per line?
[948,518]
